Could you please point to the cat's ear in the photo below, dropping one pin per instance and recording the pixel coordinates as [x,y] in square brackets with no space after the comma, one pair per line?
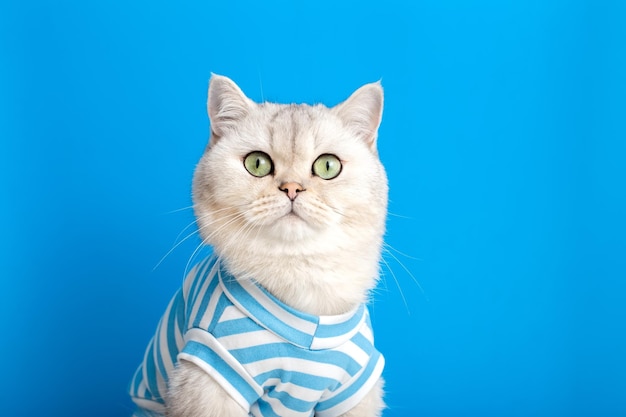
[226,105]
[362,112]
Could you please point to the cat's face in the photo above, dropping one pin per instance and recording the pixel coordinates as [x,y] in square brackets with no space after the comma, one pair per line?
[290,178]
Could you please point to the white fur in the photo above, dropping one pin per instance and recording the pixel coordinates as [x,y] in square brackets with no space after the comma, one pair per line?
[193,393]
[322,258]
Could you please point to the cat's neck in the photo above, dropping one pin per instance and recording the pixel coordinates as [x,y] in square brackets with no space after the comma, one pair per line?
[324,282]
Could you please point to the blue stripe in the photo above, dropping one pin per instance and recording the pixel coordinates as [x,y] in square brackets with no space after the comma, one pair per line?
[204,269]
[365,345]
[222,303]
[177,317]
[260,313]
[181,317]
[300,314]
[136,382]
[176,311]
[206,297]
[157,346]
[340,329]
[354,386]
[301,379]
[290,402]
[285,350]
[236,326]
[266,409]
[149,396]
[151,373]
[194,280]
[214,360]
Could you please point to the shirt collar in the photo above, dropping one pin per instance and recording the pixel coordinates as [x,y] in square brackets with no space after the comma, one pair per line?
[296,327]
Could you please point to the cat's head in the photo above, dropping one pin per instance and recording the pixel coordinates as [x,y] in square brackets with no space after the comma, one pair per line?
[291,180]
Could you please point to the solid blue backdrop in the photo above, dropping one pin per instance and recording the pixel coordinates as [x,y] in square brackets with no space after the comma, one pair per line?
[503,288]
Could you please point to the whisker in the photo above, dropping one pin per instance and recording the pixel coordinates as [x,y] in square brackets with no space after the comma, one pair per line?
[204,216]
[334,209]
[172,250]
[386,245]
[399,215]
[243,233]
[398,285]
[192,223]
[261,86]
[407,271]
[179,210]
[185,228]
[235,217]
[189,261]
[177,243]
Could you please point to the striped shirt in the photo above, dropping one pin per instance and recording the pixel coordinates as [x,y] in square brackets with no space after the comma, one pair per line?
[271,359]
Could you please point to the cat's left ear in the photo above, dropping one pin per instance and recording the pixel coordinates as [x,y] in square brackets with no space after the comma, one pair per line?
[227,105]
[362,112]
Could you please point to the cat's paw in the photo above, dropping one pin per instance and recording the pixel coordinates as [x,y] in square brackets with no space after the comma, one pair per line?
[193,393]
[371,405]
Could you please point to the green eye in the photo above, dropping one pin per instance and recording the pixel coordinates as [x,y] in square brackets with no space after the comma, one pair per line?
[327,166]
[258,164]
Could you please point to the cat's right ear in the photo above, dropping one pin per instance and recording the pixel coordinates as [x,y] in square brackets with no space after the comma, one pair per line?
[226,105]
[362,112]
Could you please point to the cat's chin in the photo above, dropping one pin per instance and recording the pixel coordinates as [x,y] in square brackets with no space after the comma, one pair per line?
[292,227]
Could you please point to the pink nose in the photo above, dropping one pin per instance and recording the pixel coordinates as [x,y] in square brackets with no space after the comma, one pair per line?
[291,189]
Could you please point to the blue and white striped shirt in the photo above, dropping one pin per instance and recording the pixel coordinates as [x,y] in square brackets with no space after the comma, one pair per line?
[272,359]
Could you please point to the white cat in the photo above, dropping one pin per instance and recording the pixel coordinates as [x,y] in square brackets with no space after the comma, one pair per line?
[293,200]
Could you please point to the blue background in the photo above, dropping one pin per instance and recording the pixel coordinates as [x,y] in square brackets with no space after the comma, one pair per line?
[505,144]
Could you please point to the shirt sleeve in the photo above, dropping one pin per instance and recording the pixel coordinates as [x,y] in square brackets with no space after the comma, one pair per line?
[203,349]
[352,392]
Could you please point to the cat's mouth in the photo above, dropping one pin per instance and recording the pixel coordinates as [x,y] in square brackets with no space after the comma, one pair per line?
[292,226]
[292,214]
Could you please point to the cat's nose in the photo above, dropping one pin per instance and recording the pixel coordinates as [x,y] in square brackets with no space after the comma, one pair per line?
[291,189]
